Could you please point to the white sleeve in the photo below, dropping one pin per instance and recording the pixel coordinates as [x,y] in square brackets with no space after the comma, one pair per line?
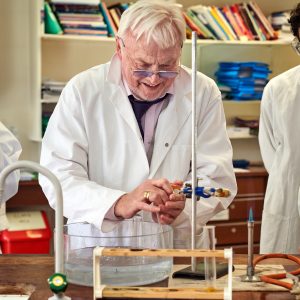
[10,150]
[65,153]
[266,134]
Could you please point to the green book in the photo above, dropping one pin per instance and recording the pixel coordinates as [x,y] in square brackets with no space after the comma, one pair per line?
[52,25]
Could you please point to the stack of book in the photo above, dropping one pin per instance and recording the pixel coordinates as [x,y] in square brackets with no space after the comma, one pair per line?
[112,15]
[242,21]
[83,17]
[249,122]
[279,20]
[50,93]
[116,11]
[80,17]
[51,90]
[242,80]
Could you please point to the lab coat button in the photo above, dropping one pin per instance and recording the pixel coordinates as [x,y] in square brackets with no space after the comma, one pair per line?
[166,144]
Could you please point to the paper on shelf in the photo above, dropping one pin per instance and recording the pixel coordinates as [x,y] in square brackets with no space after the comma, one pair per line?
[25,220]
[238,132]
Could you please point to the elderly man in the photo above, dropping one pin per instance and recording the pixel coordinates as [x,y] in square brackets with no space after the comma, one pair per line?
[121,132]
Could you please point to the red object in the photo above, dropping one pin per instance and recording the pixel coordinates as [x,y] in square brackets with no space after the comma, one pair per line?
[273,278]
[36,241]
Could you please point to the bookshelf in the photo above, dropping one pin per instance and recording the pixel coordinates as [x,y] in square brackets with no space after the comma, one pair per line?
[29,56]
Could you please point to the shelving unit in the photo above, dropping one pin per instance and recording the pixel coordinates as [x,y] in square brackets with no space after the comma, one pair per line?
[59,58]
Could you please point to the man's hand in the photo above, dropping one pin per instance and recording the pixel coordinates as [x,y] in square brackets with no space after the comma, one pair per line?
[151,196]
[171,209]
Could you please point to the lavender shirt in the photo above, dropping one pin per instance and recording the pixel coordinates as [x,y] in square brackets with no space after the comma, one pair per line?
[149,120]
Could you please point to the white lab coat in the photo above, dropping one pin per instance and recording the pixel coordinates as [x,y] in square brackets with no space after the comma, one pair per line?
[279,144]
[10,150]
[94,145]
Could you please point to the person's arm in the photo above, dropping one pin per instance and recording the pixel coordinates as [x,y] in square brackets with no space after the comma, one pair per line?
[10,150]
[266,131]
[64,151]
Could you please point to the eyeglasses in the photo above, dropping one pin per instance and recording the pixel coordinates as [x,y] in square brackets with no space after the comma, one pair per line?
[162,74]
[296,45]
[147,73]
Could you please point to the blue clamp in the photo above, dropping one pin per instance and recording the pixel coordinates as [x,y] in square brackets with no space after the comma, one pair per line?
[201,191]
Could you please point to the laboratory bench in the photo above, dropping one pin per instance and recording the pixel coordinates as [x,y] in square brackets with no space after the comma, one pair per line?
[30,273]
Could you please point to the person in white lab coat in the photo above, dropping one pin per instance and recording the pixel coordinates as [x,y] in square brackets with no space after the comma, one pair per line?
[10,150]
[279,144]
[121,132]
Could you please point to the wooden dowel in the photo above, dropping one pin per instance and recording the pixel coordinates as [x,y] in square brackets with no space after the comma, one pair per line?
[162,252]
[160,293]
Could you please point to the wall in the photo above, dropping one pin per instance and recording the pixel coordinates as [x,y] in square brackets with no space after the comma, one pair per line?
[16,72]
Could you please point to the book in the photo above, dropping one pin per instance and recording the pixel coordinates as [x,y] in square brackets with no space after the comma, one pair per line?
[225,25]
[115,16]
[256,28]
[82,22]
[81,31]
[217,21]
[52,25]
[212,22]
[193,26]
[208,34]
[235,11]
[75,8]
[200,15]
[256,9]
[86,2]
[80,16]
[230,17]
[111,27]
[247,21]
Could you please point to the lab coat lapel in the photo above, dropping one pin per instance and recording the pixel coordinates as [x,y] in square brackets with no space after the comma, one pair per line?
[169,124]
[122,104]
[119,97]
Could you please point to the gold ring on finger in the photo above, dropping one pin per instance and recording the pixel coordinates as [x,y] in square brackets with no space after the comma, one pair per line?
[147,195]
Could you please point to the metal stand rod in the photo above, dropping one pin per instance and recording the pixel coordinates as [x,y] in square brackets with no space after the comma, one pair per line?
[194,146]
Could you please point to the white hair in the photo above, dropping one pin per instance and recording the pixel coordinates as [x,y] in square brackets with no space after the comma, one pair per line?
[156,20]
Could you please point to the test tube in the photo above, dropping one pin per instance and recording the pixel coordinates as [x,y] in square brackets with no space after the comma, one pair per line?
[209,262]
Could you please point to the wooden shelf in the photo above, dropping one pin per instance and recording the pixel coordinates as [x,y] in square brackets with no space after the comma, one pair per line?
[64,37]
